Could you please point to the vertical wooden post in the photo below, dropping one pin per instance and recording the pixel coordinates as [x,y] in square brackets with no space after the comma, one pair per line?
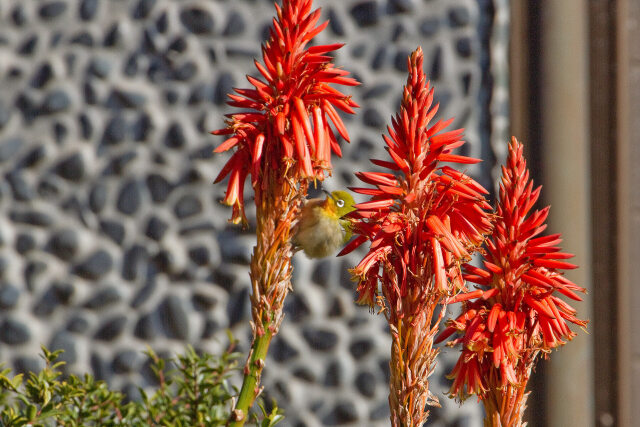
[565,163]
[628,192]
[602,118]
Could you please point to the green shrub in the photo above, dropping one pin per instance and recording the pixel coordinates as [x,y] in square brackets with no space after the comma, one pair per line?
[193,390]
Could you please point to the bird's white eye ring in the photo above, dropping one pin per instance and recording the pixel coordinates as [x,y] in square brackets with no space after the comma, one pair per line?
[340,203]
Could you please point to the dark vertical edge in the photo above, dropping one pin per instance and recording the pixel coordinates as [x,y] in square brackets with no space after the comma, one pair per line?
[525,68]
[602,89]
[533,102]
[485,27]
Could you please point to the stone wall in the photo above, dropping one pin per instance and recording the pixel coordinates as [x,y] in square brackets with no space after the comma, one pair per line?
[111,235]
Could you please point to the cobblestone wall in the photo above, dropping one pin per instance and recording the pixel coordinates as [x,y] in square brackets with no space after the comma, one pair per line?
[111,234]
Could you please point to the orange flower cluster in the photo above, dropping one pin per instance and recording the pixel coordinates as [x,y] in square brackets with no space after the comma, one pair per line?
[516,312]
[289,109]
[423,219]
[283,138]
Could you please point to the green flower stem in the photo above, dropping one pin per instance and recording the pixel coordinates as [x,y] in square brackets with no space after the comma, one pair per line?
[250,385]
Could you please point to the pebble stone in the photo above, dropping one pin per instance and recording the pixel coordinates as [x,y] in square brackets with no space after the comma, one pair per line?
[119,98]
[103,298]
[31,217]
[335,23]
[459,16]
[111,328]
[135,262]
[174,318]
[64,244]
[402,6]
[64,341]
[199,255]
[238,308]
[114,229]
[115,130]
[334,375]
[200,301]
[144,328]
[366,13]
[125,361]
[319,339]
[100,367]
[13,332]
[55,102]
[9,296]
[197,20]
[282,350]
[360,348]
[19,187]
[235,24]
[142,127]
[28,45]
[71,168]
[78,324]
[99,67]
[82,38]
[343,413]
[98,197]
[52,9]
[18,16]
[42,76]
[366,382]
[33,157]
[24,365]
[224,86]
[95,266]
[188,205]
[130,69]
[113,37]
[10,147]
[129,198]
[296,308]
[175,136]
[159,187]
[156,228]
[88,9]
[143,8]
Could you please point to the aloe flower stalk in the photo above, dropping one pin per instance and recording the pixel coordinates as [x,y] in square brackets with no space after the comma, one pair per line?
[282,139]
[516,313]
[423,220]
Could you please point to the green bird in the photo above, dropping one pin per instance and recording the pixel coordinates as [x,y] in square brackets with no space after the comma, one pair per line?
[321,230]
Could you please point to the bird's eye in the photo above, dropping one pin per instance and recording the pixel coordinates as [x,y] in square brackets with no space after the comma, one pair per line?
[340,203]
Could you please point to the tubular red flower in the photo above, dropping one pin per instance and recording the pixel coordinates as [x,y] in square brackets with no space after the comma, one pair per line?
[422,221]
[282,138]
[443,208]
[278,130]
[518,314]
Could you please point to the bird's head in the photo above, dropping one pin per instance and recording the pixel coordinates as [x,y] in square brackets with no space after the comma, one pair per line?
[341,202]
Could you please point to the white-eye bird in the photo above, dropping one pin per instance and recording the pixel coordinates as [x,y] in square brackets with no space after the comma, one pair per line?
[321,230]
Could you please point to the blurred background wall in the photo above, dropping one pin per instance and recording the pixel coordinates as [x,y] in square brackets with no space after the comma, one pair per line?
[112,237]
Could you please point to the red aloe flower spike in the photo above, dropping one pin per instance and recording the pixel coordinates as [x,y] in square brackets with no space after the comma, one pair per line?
[282,138]
[297,81]
[423,220]
[518,316]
